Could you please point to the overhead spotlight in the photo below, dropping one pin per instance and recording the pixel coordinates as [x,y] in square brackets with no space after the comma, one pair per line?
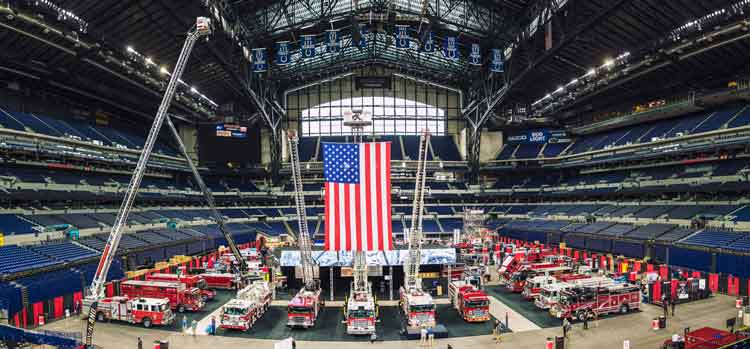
[163,70]
[608,63]
[591,72]
[149,61]
[130,49]
[559,89]
[572,82]
[193,90]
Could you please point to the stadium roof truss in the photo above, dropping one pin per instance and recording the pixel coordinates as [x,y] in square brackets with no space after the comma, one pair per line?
[491,23]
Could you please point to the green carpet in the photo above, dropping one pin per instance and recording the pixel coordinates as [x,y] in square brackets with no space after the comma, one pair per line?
[526,308]
[222,297]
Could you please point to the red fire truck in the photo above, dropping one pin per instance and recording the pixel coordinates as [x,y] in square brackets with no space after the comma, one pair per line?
[535,284]
[146,311]
[472,303]
[596,301]
[180,297]
[303,309]
[221,280]
[190,281]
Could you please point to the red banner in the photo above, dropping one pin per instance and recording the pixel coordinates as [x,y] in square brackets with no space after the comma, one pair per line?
[59,307]
[713,282]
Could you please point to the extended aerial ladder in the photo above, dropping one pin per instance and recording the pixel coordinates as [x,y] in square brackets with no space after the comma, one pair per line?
[411,265]
[303,238]
[417,306]
[96,291]
[304,307]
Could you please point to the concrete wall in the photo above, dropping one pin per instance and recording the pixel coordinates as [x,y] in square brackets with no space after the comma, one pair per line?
[189,136]
[491,144]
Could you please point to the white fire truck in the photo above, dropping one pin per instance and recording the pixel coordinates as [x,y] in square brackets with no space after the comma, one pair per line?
[361,313]
[251,303]
[550,294]
[418,307]
[146,311]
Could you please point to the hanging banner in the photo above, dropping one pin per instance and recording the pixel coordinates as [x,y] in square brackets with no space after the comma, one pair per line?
[260,62]
[402,36]
[450,48]
[497,65]
[362,36]
[475,57]
[307,46]
[333,41]
[282,53]
[428,43]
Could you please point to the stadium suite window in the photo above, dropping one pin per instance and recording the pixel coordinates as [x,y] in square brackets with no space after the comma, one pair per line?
[392,116]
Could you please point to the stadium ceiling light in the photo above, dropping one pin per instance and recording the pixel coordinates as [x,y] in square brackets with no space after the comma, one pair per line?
[163,70]
[149,61]
[130,49]
[560,89]
[573,82]
[591,72]
[608,63]
[193,90]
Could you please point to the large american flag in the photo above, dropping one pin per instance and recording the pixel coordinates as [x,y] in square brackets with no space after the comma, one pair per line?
[358,196]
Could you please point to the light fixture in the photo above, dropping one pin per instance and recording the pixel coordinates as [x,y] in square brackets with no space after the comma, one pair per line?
[591,72]
[193,90]
[163,70]
[608,63]
[130,49]
[149,61]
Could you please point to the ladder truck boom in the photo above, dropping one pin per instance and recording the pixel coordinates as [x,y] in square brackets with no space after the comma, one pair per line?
[415,232]
[96,291]
[303,238]
[218,217]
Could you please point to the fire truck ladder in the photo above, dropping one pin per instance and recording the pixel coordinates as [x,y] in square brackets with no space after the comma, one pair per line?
[303,238]
[411,265]
[360,273]
[96,291]
[218,217]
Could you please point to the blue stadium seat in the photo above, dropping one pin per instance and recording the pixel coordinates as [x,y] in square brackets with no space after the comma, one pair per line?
[11,224]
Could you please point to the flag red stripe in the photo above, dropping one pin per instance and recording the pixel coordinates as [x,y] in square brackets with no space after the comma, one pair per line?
[379,197]
[387,185]
[327,223]
[368,198]
[347,220]
[357,221]
[336,215]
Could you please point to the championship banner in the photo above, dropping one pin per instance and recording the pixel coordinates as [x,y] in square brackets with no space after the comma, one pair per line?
[282,53]
[428,43]
[496,64]
[333,41]
[260,60]
[475,57]
[402,36]
[450,48]
[362,36]
[307,46]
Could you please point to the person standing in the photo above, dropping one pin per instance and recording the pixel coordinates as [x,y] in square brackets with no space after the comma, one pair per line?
[373,337]
[213,325]
[565,325]
[674,303]
[140,343]
[184,323]
[194,326]
[586,321]
[665,306]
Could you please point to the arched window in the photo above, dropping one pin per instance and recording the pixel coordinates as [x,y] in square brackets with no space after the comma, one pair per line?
[391,116]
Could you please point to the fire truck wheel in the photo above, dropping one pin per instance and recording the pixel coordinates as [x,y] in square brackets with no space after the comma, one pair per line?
[180,308]
[581,315]
[100,316]
[204,298]
[624,308]
[147,322]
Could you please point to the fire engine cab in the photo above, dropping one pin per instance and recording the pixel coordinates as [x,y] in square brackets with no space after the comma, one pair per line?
[534,285]
[418,307]
[589,301]
[146,311]
[190,281]
[471,303]
[303,309]
[180,297]
[251,303]
[361,313]
[221,280]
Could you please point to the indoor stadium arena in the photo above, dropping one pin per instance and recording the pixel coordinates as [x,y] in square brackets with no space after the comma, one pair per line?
[427,174]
